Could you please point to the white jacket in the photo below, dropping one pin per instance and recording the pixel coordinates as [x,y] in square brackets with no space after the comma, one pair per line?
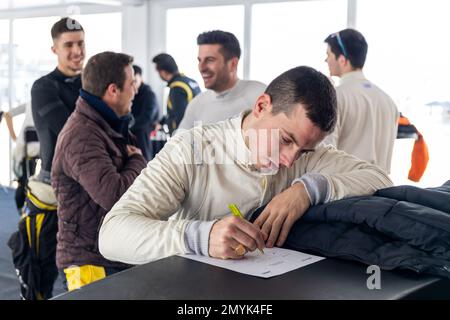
[197,174]
[367,121]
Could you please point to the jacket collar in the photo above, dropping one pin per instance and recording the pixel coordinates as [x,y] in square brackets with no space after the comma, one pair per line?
[352,76]
[174,77]
[97,110]
[243,154]
[224,94]
[62,77]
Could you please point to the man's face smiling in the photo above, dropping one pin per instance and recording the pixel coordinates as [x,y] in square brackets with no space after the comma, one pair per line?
[126,94]
[69,47]
[217,73]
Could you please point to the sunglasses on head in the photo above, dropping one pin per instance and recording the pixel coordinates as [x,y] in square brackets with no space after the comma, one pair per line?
[341,44]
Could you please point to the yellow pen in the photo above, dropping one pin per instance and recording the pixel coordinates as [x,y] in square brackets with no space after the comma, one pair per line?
[236,212]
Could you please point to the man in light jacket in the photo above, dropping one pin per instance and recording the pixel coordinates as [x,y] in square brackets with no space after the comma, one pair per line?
[367,117]
[269,155]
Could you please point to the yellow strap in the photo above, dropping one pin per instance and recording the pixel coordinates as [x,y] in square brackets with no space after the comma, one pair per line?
[39,221]
[78,276]
[185,87]
[38,203]
[28,222]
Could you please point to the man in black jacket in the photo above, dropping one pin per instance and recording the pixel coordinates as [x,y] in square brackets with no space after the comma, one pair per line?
[145,111]
[53,96]
[182,89]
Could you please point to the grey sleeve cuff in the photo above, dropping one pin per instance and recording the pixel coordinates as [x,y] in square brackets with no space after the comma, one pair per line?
[196,236]
[317,187]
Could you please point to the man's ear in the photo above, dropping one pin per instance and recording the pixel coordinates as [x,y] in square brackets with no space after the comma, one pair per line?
[234,63]
[111,90]
[53,48]
[343,61]
[263,105]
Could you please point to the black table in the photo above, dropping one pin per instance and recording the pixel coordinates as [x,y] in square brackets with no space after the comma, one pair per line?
[179,278]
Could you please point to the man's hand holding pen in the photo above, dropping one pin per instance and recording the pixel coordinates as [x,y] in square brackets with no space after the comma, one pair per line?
[229,234]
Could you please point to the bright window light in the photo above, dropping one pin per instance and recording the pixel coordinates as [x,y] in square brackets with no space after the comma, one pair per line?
[103,32]
[4,101]
[289,34]
[408,58]
[184,25]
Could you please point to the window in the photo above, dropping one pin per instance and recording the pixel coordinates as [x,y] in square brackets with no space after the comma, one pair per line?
[33,56]
[184,25]
[4,63]
[289,34]
[408,58]
[4,100]
[103,32]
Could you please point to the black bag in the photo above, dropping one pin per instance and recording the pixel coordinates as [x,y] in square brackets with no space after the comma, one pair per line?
[34,249]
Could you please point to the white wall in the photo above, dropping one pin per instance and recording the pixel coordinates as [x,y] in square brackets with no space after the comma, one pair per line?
[156,45]
[135,33]
[143,36]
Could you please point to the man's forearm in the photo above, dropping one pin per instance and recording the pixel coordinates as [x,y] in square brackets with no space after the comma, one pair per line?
[128,236]
[345,175]
[361,182]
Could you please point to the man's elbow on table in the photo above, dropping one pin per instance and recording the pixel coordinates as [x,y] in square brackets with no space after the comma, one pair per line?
[107,238]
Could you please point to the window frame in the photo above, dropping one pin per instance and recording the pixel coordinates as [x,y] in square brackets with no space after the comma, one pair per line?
[159,9]
[38,12]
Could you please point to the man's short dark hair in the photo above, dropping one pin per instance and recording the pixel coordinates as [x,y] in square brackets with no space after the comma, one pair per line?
[165,62]
[137,70]
[311,89]
[65,25]
[354,44]
[104,69]
[230,44]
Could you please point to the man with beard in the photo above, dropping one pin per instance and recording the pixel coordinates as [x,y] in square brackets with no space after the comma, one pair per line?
[218,58]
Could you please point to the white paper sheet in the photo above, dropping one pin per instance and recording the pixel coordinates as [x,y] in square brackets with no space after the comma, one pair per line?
[273,262]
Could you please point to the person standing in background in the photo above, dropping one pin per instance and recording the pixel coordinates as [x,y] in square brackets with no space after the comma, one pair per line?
[218,58]
[367,116]
[182,90]
[145,111]
[53,96]
[96,160]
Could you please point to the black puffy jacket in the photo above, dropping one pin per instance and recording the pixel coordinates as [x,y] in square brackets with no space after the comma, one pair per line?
[402,227]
